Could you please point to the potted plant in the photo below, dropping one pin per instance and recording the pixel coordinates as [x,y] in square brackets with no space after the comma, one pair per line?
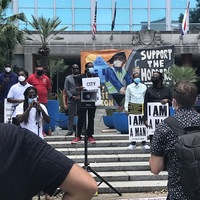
[62,116]
[181,73]
[108,118]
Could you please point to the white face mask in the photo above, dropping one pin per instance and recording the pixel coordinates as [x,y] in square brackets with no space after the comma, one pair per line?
[21,78]
[30,100]
[117,63]
[8,69]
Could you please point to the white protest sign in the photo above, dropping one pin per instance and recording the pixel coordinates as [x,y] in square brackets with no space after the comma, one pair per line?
[93,84]
[137,129]
[156,113]
[8,111]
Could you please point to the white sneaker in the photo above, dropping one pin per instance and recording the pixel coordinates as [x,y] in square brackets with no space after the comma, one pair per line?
[131,147]
[145,146]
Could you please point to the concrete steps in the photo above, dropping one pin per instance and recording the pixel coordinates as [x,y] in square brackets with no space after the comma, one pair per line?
[126,170]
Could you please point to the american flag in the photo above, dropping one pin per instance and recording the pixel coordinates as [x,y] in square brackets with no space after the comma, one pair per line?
[94,25]
[185,21]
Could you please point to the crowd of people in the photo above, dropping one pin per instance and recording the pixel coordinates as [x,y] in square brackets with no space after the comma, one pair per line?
[45,168]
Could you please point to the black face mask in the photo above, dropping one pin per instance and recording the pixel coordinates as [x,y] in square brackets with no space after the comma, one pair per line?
[40,72]
[155,80]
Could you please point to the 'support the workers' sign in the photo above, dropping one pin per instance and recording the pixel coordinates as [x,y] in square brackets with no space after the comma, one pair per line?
[137,129]
[156,113]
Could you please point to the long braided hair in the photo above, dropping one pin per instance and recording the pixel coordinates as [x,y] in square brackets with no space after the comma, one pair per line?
[26,104]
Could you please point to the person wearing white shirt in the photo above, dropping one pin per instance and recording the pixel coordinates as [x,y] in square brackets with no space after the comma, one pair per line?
[16,92]
[30,113]
[135,94]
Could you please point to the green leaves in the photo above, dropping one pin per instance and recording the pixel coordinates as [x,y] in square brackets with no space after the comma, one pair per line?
[182,73]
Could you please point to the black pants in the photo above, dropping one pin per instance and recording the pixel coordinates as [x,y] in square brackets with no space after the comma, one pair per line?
[82,114]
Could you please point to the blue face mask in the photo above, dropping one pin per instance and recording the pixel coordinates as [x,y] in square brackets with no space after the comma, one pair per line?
[136,80]
[30,100]
[91,70]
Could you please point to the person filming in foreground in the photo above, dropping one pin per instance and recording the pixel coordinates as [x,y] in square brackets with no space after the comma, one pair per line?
[29,165]
[163,154]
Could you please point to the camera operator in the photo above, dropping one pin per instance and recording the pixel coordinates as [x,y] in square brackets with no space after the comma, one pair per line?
[30,113]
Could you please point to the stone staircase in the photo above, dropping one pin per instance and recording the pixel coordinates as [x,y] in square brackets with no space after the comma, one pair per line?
[125,170]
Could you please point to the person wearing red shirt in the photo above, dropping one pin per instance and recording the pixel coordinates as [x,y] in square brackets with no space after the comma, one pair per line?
[42,83]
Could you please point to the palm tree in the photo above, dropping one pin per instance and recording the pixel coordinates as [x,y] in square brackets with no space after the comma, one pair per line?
[182,73]
[47,31]
[10,35]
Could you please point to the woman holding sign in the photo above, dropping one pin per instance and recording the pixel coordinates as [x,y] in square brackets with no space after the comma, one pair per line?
[135,95]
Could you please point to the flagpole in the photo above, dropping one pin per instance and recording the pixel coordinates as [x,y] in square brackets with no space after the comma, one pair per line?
[113,21]
[94,26]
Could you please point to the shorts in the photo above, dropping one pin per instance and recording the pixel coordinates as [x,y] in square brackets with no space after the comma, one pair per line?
[28,164]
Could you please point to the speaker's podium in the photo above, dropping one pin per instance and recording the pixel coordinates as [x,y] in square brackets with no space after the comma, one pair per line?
[88,99]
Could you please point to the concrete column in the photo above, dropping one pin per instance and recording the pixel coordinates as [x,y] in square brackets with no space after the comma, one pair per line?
[28,63]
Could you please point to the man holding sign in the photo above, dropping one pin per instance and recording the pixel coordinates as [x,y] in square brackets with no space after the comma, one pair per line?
[135,96]
[89,73]
[156,93]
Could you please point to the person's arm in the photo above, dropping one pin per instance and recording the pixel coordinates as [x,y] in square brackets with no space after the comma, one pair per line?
[64,98]
[127,99]
[156,164]
[43,110]
[22,117]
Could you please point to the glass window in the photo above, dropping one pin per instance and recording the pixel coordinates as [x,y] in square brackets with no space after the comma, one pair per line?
[137,27]
[65,15]
[28,13]
[139,16]
[82,27]
[193,3]
[22,26]
[103,27]
[82,16]
[158,27]
[25,3]
[47,13]
[104,4]
[121,27]
[82,4]
[123,4]
[139,3]
[69,27]
[158,15]
[157,4]
[126,16]
[104,16]
[9,12]
[63,4]
[44,4]
[179,4]
[175,13]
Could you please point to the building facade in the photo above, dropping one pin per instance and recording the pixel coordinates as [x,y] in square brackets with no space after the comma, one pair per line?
[157,22]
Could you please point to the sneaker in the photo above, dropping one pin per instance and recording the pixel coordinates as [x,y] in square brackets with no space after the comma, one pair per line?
[75,140]
[131,147]
[145,146]
[91,140]
[69,133]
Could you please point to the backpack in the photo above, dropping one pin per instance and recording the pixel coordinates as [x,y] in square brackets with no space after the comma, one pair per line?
[187,148]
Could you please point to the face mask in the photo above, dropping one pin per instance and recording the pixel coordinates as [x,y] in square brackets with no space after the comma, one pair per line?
[117,63]
[155,80]
[136,80]
[30,100]
[40,72]
[21,78]
[91,70]
[8,69]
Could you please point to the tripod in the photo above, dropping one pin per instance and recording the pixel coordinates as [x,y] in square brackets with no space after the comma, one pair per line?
[86,163]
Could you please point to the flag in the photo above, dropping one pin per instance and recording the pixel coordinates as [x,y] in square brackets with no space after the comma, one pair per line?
[185,20]
[114,16]
[94,25]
